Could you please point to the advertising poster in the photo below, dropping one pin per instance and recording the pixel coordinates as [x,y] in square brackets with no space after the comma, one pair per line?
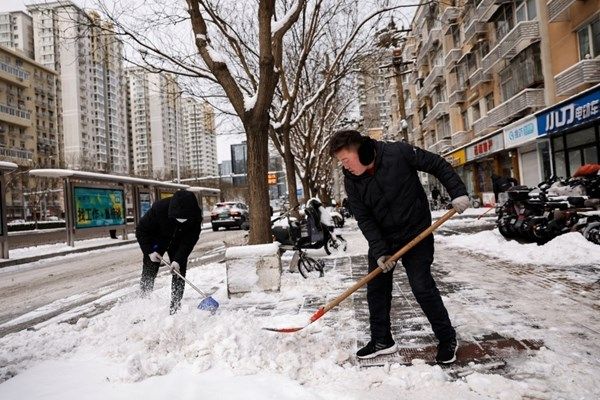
[145,203]
[99,207]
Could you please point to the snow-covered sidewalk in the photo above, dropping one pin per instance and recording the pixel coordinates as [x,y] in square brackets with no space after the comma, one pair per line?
[135,349]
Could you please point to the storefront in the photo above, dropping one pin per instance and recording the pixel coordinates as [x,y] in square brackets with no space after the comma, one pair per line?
[573,130]
[521,138]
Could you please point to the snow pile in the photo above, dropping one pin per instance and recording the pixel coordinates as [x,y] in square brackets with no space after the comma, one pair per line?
[492,243]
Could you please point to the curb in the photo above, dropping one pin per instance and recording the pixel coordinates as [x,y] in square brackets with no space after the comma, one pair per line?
[25,260]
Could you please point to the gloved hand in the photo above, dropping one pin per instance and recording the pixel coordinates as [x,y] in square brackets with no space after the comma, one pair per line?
[384,264]
[175,268]
[461,203]
[154,257]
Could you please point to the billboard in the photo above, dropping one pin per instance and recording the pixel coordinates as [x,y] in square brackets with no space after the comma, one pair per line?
[96,207]
[569,114]
[145,203]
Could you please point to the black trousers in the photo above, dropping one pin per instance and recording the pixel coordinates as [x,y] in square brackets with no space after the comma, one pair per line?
[149,272]
[417,264]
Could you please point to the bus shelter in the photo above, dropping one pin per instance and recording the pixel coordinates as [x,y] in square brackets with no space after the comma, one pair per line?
[96,201]
[5,167]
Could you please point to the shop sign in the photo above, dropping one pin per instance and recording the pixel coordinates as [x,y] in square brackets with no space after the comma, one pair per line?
[457,158]
[485,147]
[522,132]
[570,114]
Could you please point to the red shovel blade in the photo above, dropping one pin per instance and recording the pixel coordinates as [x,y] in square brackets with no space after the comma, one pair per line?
[318,314]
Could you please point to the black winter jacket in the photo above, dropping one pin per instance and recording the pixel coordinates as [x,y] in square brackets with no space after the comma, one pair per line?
[391,206]
[159,231]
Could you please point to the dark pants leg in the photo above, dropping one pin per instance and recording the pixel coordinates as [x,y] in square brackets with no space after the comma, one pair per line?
[417,263]
[177,287]
[379,298]
[149,271]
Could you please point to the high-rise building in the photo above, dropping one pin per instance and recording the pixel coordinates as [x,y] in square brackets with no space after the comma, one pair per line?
[509,88]
[16,32]
[156,123]
[28,123]
[200,140]
[88,58]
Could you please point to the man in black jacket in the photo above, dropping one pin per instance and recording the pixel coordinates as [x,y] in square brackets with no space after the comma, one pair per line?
[391,207]
[172,225]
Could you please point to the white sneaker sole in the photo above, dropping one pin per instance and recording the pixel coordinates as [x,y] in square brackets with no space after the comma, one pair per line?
[389,350]
[450,361]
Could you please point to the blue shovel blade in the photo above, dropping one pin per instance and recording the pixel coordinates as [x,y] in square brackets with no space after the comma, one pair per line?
[208,304]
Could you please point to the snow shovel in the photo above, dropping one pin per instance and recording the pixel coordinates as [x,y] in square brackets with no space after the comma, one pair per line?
[208,303]
[321,311]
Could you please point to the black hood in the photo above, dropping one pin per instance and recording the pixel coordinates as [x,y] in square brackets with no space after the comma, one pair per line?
[183,204]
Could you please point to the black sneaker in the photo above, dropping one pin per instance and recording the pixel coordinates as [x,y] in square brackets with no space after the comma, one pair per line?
[446,351]
[374,349]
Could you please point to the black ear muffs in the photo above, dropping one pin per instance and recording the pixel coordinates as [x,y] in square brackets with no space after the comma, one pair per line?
[366,151]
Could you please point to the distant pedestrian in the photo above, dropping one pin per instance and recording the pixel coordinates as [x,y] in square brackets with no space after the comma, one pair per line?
[502,184]
[172,225]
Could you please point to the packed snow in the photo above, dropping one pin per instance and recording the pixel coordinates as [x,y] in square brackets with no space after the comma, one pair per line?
[137,350]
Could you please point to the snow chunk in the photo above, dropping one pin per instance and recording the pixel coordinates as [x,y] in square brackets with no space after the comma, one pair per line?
[258,250]
[568,249]
[277,25]
[215,55]
[250,102]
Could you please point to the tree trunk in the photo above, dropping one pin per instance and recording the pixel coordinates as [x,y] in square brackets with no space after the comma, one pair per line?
[290,171]
[258,189]
[305,188]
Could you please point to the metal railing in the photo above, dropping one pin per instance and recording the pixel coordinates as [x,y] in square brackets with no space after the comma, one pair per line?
[478,77]
[452,57]
[440,108]
[513,107]
[521,36]
[435,74]
[557,10]
[457,95]
[17,72]
[582,73]
[14,153]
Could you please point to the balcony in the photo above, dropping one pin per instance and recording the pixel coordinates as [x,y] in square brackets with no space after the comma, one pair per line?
[16,154]
[474,29]
[482,126]
[457,96]
[15,116]
[519,38]
[487,8]
[515,106]
[478,77]
[435,75]
[449,15]
[558,10]
[440,108]
[585,72]
[459,138]
[14,74]
[441,146]
[452,57]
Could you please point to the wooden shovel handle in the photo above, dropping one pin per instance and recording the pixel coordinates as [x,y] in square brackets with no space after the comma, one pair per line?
[395,257]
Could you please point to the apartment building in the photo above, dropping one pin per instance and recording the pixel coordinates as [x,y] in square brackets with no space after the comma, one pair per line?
[372,84]
[28,123]
[199,138]
[156,126]
[88,58]
[16,32]
[488,78]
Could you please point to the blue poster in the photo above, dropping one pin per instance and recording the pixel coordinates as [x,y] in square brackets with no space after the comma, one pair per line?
[570,114]
[98,207]
[145,203]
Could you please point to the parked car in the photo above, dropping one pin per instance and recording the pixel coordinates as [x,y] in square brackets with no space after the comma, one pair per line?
[230,214]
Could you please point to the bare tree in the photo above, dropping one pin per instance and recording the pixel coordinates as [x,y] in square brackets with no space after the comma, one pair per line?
[323,48]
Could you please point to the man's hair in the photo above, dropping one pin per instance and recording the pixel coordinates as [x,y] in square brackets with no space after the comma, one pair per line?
[344,139]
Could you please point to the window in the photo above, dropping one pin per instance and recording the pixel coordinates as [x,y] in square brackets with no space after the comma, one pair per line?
[589,40]
[476,112]
[465,120]
[489,101]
